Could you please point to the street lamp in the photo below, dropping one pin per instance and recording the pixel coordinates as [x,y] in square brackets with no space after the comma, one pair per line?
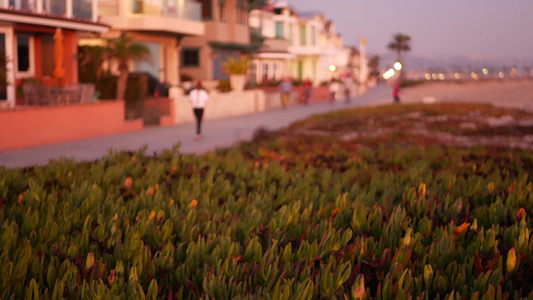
[332,68]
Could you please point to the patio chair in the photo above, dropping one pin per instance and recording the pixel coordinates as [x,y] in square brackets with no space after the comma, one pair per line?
[72,93]
[87,93]
[37,93]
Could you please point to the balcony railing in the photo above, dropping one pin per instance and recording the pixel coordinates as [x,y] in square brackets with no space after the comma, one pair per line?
[181,9]
[83,9]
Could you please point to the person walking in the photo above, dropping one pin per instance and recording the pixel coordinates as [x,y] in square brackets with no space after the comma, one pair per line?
[348,85]
[333,89]
[198,97]
[307,90]
[396,92]
[285,87]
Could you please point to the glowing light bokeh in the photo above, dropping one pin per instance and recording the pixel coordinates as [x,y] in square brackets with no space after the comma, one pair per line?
[387,75]
[397,66]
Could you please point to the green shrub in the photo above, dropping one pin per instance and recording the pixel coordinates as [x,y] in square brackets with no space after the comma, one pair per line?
[234,66]
[223,86]
[107,86]
[185,77]
[135,93]
[287,216]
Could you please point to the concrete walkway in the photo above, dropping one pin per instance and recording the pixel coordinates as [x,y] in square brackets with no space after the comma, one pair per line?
[217,134]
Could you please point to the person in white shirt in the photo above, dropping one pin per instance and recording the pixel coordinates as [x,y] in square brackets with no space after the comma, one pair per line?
[198,97]
[334,87]
[347,81]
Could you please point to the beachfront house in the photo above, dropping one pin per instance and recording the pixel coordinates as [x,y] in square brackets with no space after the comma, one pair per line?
[318,51]
[226,34]
[334,58]
[301,32]
[160,25]
[38,42]
[272,61]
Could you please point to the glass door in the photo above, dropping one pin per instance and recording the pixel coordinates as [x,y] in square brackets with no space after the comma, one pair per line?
[7,74]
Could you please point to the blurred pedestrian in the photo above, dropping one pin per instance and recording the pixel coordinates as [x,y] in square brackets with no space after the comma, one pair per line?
[396,91]
[307,90]
[285,87]
[333,89]
[348,85]
[198,97]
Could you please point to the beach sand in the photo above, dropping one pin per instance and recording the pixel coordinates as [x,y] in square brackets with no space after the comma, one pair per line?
[508,93]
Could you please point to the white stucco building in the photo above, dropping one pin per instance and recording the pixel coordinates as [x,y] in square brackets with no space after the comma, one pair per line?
[318,51]
[272,61]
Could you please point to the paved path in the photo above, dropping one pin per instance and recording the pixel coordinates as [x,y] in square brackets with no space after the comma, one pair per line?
[217,134]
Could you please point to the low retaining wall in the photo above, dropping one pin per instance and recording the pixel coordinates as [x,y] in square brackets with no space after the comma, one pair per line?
[155,109]
[219,106]
[39,125]
[273,97]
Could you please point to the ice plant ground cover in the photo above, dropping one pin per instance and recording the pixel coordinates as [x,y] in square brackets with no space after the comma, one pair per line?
[388,202]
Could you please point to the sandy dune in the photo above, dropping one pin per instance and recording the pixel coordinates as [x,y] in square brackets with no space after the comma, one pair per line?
[509,93]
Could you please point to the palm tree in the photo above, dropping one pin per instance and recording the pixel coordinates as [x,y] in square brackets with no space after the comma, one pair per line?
[401,43]
[373,65]
[90,63]
[124,50]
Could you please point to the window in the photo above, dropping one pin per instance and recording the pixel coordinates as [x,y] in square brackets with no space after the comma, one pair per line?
[300,70]
[22,4]
[47,51]
[313,36]
[290,35]
[303,35]
[57,7]
[207,9]
[82,9]
[23,53]
[265,71]
[244,16]
[279,30]
[241,12]
[190,57]
[137,6]
[222,10]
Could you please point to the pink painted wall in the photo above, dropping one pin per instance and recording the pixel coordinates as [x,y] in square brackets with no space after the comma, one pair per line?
[39,125]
